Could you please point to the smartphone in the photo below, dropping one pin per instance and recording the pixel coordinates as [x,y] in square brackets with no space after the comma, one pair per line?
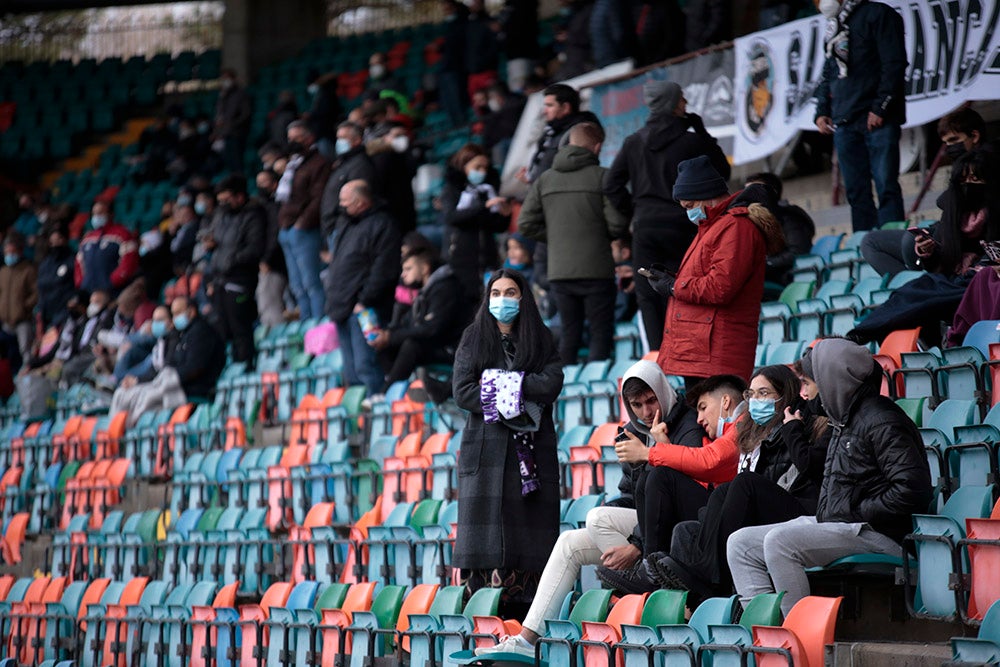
[919,232]
[622,435]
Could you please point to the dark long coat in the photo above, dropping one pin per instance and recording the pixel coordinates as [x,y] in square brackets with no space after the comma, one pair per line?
[497,527]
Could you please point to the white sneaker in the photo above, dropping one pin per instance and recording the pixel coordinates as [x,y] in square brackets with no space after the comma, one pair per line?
[510,644]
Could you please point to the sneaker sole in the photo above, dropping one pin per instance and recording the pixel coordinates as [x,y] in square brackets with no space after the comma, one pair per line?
[620,583]
[666,577]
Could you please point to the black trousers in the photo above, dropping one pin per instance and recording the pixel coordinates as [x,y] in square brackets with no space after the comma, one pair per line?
[237,312]
[590,300]
[401,361]
[662,500]
[749,500]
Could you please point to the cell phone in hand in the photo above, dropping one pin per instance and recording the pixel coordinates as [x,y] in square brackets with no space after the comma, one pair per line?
[992,252]
[919,232]
[622,435]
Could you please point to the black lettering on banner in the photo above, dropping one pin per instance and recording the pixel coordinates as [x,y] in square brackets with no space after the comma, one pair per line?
[918,61]
[794,62]
[990,28]
[966,60]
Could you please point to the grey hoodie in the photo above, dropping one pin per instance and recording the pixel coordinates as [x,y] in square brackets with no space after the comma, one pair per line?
[650,373]
[840,369]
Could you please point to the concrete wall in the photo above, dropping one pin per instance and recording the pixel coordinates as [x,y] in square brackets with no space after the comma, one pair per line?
[256,33]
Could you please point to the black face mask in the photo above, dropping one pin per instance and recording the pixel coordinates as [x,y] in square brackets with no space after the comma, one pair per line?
[955,150]
[973,196]
[296,147]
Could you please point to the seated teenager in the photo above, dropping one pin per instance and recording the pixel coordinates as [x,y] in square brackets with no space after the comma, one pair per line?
[609,536]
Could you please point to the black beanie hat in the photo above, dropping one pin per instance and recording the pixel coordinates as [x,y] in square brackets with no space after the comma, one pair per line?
[697,180]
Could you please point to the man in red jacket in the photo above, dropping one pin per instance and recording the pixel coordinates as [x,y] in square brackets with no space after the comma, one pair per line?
[711,325]
[108,257]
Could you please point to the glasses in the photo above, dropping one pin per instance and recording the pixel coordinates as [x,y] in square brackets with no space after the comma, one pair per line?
[760,393]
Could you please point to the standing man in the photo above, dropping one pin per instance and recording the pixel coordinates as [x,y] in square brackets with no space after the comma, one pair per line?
[18,292]
[364,270]
[108,257]
[567,209]
[561,109]
[232,120]
[299,192]
[351,164]
[273,274]
[639,184]
[861,102]
[239,247]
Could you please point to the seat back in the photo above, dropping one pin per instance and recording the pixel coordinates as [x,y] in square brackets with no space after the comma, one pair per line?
[811,622]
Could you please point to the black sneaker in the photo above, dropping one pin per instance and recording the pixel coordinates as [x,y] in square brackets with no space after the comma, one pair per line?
[632,580]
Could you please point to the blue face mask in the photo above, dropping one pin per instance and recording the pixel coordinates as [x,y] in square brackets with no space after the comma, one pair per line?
[477,177]
[762,410]
[721,426]
[510,265]
[200,208]
[11,260]
[98,221]
[696,215]
[504,308]
[181,321]
[342,146]
[158,328]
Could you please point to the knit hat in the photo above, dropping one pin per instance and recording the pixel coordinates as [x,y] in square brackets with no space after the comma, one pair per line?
[661,97]
[697,180]
[525,242]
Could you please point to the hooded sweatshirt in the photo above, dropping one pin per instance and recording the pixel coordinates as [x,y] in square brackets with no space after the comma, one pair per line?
[876,470]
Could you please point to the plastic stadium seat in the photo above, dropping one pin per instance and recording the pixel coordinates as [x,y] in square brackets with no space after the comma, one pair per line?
[561,636]
[985,648]
[599,638]
[981,335]
[802,638]
[897,342]
[687,638]
[728,644]
[418,639]
[982,546]
[663,607]
[384,614]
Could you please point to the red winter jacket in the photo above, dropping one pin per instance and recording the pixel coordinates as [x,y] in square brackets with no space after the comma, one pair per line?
[711,324]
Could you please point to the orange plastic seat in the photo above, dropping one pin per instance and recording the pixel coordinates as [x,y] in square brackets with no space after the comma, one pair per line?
[253,628]
[598,639]
[114,627]
[984,564]
[807,630]
[435,444]
[418,601]
[904,340]
[300,537]
[60,441]
[358,535]
[13,538]
[332,398]
[236,433]
[587,476]
[279,498]
[603,435]
[81,442]
[108,441]
[6,583]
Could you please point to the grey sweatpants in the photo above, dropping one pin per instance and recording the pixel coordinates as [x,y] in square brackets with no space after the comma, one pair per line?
[766,559]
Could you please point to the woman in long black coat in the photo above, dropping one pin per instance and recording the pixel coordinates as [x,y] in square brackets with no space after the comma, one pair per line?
[508,513]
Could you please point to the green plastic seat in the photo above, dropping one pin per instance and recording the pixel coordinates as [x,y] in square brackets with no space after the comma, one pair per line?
[913,407]
[332,597]
[728,643]
[795,292]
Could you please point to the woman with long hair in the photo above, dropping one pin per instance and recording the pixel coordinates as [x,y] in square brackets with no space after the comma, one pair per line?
[507,376]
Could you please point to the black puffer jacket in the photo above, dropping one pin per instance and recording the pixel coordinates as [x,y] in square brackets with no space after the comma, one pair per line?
[240,238]
[794,442]
[353,165]
[365,265]
[876,470]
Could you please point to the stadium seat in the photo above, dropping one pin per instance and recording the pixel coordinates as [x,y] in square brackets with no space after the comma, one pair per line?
[985,648]
[728,644]
[802,638]
[687,638]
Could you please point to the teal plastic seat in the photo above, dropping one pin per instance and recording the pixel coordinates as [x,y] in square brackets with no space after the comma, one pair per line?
[985,648]
[679,643]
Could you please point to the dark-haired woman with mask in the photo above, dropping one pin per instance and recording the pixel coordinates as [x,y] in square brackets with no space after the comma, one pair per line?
[507,376]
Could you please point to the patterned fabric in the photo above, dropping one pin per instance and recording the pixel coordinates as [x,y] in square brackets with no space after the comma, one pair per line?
[500,394]
[837,34]
[519,585]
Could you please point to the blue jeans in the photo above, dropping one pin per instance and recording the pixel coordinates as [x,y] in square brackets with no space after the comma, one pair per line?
[301,247]
[360,361]
[135,360]
[865,156]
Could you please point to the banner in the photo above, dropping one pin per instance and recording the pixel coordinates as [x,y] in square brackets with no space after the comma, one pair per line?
[952,46]
[707,81]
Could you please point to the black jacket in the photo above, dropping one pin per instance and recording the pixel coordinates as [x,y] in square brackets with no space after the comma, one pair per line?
[395,173]
[240,242]
[436,316]
[471,248]
[351,166]
[502,124]
[640,182]
[707,22]
[55,284]
[799,230]
[365,265]
[453,46]
[198,358]
[480,44]
[552,138]
[793,443]
[273,256]
[519,28]
[876,69]
[875,470]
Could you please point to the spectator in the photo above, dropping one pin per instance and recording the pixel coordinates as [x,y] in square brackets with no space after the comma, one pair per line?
[239,247]
[576,57]
[452,69]
[380,78]
[612,32]
[566,208]
[280,116]
[508,475]
[394,169]
[660,31]
[647,164]
[518,37]
[325,113]
[621,251]
[890,250]
[711,323]
[28,221]
[473,212]
[352,164]
[561,109]
[273,277]
[18,292]
[364,268]
[148,349]
[78,356]
[610,535]
[861,101]
[183,236]
[55,278]
[481,58]
[501,123]
[875,478]
[299,193]
[796,225]
[190,372]
[520,251]
[108,257]
[707,22]
[232,121]
[783,484]
[428,331]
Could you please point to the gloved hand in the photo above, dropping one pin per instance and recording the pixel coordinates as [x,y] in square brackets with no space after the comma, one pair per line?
[661,281]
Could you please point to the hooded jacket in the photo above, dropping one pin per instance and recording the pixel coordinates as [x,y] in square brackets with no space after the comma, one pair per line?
[711,324]
[552,138]
[18,292]
[436,316]
[875,470]
[566,208]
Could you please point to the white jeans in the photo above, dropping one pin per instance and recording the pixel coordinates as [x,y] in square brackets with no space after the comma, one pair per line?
[607,527]
[766,559]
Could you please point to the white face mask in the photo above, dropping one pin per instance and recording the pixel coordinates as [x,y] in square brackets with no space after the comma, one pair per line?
[376,71]
[94,309]
[400,144]
[829,8]
[495,105]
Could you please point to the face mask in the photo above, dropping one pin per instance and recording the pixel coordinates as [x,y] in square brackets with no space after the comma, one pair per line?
[696,215]
[200,208]
[143,250]
[98,221]
[955,150]
[227,84]
[974,196]
[504,309]
[181,321]
[94,309]
[203,128]
[511,265]
[762,410]
[158,328]
[11,260]
[313,88]
[296,147]
[477,177]
[184,200]
[829,8]
[400,144]
[721,426]
[342,146]
[376,71]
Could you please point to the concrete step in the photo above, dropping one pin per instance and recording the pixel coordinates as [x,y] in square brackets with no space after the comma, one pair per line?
[886,654]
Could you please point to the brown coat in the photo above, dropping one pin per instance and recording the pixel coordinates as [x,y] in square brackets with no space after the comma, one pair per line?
[18,292]
[302,207]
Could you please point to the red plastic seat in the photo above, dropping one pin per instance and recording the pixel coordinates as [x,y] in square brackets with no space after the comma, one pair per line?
[359,533]
[604,636]
[418,601]
[13,538]
[300,537]
[115,629]
[984,564]
[807,630]
[253,629]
